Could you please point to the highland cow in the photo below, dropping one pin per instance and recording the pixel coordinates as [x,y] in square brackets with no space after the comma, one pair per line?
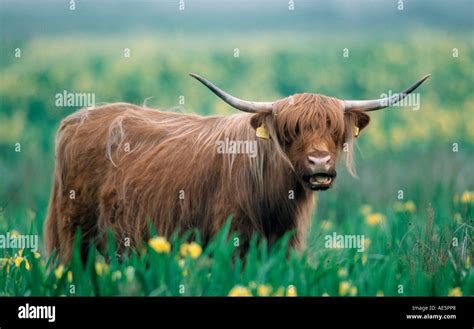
[120,167]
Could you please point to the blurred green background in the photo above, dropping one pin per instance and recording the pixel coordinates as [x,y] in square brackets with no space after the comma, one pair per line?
[281,52]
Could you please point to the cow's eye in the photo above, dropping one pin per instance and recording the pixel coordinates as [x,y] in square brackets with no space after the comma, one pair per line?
[297,130]
[328,122]
[290,136]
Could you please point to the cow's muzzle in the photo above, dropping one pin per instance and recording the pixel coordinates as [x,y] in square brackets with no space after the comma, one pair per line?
[320,181]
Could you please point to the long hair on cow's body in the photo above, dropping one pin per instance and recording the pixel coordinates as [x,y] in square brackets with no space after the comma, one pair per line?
[120,166]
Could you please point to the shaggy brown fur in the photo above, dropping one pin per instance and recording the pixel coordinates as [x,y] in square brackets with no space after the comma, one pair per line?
[125,164]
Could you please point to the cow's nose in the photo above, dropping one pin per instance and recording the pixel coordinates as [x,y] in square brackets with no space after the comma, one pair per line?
[319,162]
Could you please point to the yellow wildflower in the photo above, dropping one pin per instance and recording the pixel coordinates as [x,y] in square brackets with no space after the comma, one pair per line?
[69,276]
[363,258]
[101,268]
[279,292]
[344,287]
[455,292]
[353,291]
[264,290]
[14,233]
[183,249]
[240,291]
[291,291]
[27,265]
[18,261]
[342,272]
[160,245]
[467,197]
[36,255]
[195,250]
[409,206]
[374,219]
[58,272]
[190,249]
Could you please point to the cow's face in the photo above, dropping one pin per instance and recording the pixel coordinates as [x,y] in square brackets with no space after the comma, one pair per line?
[312,130]
[314,158]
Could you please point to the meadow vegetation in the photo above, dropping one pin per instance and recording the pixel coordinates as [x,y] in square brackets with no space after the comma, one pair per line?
[413,200]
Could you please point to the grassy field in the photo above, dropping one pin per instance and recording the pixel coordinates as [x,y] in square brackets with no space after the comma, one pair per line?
[420,244]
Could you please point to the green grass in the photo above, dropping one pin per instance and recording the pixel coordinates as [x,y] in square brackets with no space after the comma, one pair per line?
[410,253]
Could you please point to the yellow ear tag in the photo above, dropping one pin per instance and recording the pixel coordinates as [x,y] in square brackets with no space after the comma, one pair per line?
[262,132]
[356,131]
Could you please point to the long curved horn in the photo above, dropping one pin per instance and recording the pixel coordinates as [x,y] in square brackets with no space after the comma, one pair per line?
[246,106]
[377,104]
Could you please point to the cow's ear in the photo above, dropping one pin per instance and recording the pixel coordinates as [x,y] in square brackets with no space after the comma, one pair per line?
[363,120]
[356,120]
[256,120]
